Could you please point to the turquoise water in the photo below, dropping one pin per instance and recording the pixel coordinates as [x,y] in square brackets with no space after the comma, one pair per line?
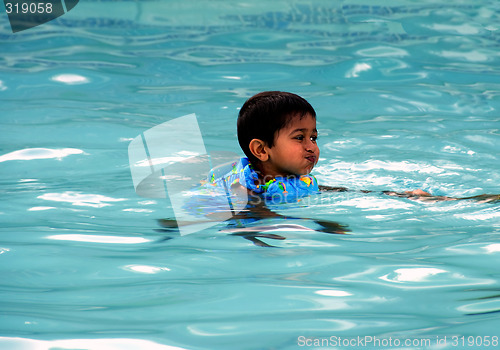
[407,97]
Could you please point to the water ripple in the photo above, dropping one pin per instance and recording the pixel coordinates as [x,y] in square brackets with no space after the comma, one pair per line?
[40,153]
[89,344]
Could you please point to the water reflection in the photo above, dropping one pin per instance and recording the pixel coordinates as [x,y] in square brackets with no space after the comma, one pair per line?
[98,239]
[81,199]
[39,153]
[88,344]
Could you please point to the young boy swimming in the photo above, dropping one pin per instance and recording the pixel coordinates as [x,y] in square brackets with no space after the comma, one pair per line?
[277,132]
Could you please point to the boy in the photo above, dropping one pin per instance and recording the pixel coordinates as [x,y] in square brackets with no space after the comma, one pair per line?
[277,132]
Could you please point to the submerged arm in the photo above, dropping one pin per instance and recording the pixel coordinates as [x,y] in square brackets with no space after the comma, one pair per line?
[255,210]
[421,195]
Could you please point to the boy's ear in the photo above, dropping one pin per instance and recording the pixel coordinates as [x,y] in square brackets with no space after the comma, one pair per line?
[259,149]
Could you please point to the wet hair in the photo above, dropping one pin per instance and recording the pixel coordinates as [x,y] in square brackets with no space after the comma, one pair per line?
[263,115]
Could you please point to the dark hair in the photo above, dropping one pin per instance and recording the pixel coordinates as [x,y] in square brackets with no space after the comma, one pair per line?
[264,114]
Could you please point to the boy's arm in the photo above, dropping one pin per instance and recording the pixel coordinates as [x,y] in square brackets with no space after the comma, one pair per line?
[323,188]
[420,195]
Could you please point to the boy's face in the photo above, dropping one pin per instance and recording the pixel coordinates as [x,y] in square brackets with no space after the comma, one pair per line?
[295,151]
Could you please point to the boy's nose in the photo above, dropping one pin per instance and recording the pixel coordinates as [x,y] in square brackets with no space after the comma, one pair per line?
[310,146]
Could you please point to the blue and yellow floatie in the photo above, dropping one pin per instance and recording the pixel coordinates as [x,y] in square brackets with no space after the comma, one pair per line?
[277,190]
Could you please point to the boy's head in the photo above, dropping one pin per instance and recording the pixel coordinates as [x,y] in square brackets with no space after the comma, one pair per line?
[277,132]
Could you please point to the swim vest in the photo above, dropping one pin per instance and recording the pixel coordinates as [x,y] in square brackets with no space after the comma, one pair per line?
[276,190]
[218,197]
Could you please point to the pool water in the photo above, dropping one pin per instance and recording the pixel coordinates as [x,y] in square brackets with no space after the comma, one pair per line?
[407,97]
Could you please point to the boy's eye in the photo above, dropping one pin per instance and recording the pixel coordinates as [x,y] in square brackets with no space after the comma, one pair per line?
[301,137]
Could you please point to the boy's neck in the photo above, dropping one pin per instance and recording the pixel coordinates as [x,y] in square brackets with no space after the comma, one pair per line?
[265,174]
